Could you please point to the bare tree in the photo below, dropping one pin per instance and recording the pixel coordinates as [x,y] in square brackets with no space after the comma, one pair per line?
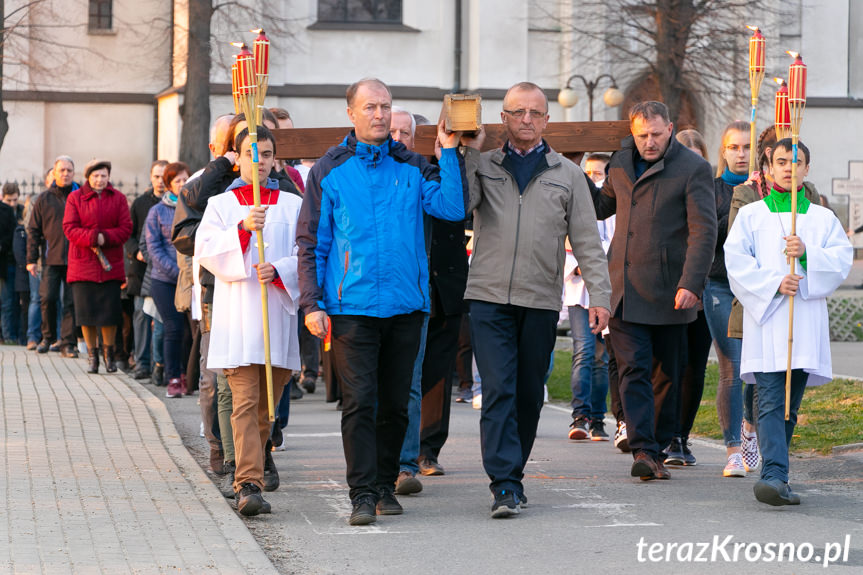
[684,47]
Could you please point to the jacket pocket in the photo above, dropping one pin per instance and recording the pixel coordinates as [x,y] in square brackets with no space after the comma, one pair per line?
[344,276]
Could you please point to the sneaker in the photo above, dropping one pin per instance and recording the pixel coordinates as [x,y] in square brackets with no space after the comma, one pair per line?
[296,392]
[688,458]
[388,504]
[597,430]
[227,484]
[277,437]
[430,467]
[505,505]
[749,450]
[579,428]
[364,510]
[308,384]
[674,452]
[775,492]
[249,499]
[465,395]
[522,500]
[620,440]
[407,483]
[175,388]
[734,467]
[271,474]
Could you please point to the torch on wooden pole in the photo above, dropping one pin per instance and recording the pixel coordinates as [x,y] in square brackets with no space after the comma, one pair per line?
[248,88]
[782,121]
[796,105]
[756,76]
[262,71]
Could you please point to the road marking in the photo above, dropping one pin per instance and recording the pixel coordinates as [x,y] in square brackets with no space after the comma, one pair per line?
[628,525]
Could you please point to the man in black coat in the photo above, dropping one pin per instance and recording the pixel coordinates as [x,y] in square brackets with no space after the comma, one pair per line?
[662,194]
[47,240]
[136,267]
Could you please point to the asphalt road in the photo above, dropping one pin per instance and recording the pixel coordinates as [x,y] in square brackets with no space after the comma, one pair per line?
[586,513]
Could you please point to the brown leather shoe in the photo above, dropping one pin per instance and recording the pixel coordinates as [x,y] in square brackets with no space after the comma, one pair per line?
[646,467]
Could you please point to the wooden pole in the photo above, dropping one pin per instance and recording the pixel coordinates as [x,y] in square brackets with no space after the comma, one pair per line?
[248,90]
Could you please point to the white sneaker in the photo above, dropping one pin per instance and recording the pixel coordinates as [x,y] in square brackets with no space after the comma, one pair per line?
[749,450]
[734,467]
[620,440]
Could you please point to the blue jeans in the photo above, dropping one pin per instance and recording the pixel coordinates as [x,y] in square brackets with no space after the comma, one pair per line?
[729,397]
[411,445]
[157,345]
[774,433]
[34,310]
[589,375]
[143,334]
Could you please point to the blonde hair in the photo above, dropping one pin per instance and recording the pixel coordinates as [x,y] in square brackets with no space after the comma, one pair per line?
[736,126]
[693,139]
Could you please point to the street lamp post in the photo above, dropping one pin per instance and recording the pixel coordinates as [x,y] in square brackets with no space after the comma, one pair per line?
[568,97]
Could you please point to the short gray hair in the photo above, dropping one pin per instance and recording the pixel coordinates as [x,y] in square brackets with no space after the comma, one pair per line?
[648,110]
[63,159]
[400,110]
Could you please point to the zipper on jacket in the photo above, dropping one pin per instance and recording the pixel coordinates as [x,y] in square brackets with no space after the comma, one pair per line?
[518,229]
[345,275]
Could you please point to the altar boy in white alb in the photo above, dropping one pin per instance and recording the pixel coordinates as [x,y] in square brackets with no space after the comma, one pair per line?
[227,246]
[755,255]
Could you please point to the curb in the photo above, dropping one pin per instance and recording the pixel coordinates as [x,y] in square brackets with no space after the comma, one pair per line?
[244,546]
[847,448]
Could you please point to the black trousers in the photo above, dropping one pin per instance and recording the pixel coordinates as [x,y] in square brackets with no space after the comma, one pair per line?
[53,277]
[441,349]
[698,342]
[613,381]
[374,359]
[464,355]
[650,361]
[513,347]
[310,349]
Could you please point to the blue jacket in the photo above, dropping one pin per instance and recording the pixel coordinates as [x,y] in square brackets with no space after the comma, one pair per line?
[157,234]
[360,229]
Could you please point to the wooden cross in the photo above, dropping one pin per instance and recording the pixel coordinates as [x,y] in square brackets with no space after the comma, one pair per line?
[572,139]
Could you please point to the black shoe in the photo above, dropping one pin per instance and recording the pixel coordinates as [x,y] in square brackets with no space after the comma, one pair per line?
[157,378]
[43,346]
[775,492]
[227,484]
[56,346]
[430,466]
[388,504]
[296,392]
[505,505]
[141,373]
[579,428]
[688,458]
[110,362]
[364,510]
[674,453]
[249,499]
[92,360]
[271,474]
[69,351]
[308,384]
[646,467]
[597,430]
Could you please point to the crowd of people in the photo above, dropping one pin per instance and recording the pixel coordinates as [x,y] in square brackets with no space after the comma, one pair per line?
[651,256]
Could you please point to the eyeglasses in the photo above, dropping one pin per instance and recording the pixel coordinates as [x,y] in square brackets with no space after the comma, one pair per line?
[519,114]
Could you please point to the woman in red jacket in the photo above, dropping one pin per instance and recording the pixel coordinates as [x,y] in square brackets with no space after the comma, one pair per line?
[97,224]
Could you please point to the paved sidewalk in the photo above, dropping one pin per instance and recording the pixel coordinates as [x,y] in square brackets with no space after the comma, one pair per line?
[95,479]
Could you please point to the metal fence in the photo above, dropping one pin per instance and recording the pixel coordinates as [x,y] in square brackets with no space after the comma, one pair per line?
[30,187]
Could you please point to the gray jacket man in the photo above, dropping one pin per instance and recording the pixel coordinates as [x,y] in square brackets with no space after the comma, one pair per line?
[526,200]
[662,194]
